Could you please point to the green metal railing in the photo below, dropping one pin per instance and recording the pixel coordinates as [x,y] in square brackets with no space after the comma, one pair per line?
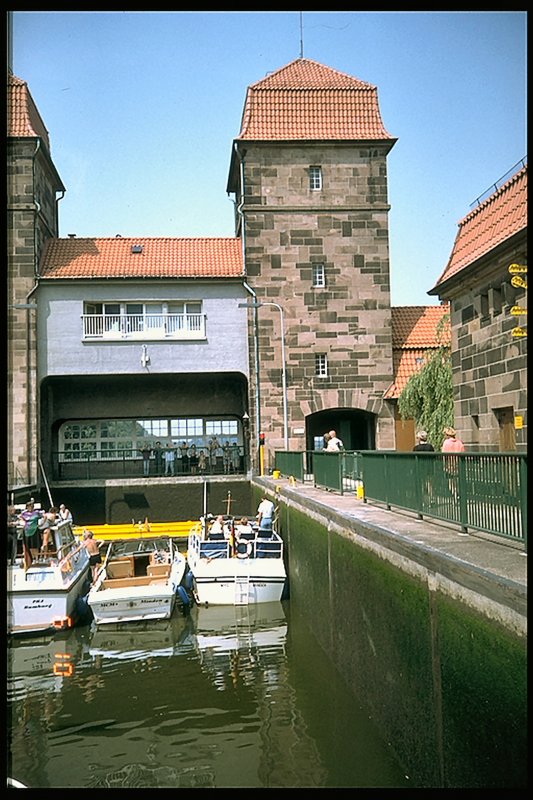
[484,492]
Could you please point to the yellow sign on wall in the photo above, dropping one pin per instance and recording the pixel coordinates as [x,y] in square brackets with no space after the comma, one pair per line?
[515,269]
[518,421]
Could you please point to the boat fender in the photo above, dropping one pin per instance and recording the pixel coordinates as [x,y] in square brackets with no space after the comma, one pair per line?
[189,580]
[184,596]
[247,549]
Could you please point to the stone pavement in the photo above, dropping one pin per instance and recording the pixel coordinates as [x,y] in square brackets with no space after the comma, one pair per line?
[493,567]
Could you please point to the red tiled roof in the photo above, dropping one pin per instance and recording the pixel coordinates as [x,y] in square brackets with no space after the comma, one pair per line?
[23,118]
[307,100]
[213,257]
[415,333]
[501,216]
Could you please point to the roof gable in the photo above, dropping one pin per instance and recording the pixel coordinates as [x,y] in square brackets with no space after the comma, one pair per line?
[23,118]
[123,257]
[492,223]
[415,334]
[306,100]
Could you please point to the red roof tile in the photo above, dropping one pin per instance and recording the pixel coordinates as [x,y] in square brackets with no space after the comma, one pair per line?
[415,334]
[23,118]
[499,218]
[212,257]
[307,100]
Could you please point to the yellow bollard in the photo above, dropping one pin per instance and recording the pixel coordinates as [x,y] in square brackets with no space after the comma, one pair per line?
[276,474]
[359,490]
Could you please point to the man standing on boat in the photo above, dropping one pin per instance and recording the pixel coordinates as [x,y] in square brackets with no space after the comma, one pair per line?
[265,514]
[93,548]
[32,538]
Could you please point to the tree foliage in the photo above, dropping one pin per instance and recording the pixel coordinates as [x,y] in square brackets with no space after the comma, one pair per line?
[428,395]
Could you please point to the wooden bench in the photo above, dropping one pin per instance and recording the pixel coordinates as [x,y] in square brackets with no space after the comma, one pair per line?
[158,570]
[121,568]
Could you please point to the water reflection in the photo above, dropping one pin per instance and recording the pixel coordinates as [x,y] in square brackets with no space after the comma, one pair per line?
[213,699]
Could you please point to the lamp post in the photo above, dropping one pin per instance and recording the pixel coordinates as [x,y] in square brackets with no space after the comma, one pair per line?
[283,363]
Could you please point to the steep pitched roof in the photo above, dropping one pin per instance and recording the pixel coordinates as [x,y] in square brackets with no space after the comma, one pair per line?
[415,333]
[307,100]
[73,258]
[23,118]
[493,222]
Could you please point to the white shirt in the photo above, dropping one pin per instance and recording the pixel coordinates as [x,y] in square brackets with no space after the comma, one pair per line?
[334,445]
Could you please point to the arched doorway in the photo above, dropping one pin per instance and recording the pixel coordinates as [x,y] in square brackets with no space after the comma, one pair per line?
[356,428]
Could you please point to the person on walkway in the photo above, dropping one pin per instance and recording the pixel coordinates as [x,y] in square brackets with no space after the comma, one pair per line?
[422,444]
[193,459]
[334,444]
[184,451]
[170,457]
[452,444]
[158,458]
[326,440]
[65,514]
[265,514]
[146,452]
[93,548]
[202,462]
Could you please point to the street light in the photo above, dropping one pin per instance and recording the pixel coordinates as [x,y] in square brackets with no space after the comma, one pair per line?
[283,363]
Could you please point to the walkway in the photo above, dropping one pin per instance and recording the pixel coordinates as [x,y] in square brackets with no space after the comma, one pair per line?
[495,569]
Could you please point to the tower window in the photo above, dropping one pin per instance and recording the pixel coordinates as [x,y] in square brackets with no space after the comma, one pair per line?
[315,178]
[321,365]
[319,276]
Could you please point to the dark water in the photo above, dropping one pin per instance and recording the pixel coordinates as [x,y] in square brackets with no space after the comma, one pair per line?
[223,697]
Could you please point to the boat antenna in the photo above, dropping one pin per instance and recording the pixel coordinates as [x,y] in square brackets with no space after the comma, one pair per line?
[228,504]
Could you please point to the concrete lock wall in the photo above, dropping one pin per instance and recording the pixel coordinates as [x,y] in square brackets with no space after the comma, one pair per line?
[445,682]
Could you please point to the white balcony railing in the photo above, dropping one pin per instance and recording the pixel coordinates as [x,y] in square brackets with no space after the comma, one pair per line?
[143,326]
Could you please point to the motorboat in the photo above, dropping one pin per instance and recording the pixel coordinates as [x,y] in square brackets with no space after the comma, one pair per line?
[42,597]
[139,580]
[234,568]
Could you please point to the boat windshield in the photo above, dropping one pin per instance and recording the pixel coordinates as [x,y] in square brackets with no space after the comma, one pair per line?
[142,546]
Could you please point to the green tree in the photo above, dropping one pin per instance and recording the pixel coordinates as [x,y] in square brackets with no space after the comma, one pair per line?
[428,395]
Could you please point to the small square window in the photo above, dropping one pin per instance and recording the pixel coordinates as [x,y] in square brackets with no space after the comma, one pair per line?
[319,276]
[315,178]
[321,365]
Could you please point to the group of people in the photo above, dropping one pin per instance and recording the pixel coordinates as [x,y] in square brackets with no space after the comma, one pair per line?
[187,459]
[451,444]
[34,526]
[219,528]
[332,443]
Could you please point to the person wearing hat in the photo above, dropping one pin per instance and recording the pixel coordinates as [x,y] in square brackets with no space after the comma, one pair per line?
[422,443]
[452,444]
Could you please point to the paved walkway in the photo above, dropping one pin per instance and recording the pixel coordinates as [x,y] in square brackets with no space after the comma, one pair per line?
[478,561]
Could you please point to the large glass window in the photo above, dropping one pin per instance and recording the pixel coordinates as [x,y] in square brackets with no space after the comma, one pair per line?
[109,439]
[163,320]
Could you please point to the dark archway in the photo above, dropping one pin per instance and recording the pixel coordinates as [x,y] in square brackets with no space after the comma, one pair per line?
[356,428]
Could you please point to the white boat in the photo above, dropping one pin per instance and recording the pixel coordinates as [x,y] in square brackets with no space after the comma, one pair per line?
[236,570]
[139,580]
[43,597]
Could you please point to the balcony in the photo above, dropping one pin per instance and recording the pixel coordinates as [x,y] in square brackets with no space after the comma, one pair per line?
[144,327]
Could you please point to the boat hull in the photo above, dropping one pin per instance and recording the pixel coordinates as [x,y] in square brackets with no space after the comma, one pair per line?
[40,601]
[120,605]
[219,578]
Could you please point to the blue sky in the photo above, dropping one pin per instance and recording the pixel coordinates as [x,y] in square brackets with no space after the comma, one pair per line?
[142,109]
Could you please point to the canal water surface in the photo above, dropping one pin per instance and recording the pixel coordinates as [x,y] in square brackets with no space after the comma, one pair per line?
[221,697]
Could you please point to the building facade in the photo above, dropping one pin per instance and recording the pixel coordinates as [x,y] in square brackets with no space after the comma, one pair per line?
[33,191]
[309,176]
[485,282]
